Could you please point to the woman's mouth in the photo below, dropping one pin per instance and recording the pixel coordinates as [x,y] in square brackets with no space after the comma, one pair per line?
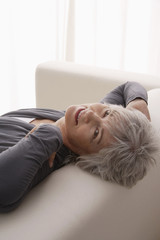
[78,114]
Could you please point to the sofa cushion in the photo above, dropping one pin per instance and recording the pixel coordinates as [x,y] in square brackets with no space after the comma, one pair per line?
[72,204]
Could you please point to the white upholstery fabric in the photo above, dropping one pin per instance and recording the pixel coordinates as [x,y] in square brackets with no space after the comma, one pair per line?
[74,205]
[60,84]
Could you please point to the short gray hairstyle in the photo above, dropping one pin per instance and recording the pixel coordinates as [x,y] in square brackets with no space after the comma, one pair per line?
[127,159]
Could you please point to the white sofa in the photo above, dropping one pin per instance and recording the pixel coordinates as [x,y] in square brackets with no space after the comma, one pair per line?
[71,204]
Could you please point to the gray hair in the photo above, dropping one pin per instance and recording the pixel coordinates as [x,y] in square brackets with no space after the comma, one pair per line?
[127,159]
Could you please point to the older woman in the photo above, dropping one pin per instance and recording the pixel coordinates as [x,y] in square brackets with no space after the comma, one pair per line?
[110,139]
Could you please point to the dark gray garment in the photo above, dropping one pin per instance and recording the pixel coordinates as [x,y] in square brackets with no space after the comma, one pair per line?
[125,93]
[24,161]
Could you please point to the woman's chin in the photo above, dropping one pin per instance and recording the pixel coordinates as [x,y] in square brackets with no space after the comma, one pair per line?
[70,115]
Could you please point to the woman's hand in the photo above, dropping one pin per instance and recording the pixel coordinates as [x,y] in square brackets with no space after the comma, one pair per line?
[51,159]
[140,105]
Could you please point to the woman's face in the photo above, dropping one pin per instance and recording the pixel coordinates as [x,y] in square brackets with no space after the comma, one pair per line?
[86,127]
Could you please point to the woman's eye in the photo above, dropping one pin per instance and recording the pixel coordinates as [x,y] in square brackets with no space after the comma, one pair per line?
[96,132]
[106,113]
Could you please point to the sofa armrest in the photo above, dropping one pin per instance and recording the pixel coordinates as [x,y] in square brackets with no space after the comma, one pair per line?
[60,84]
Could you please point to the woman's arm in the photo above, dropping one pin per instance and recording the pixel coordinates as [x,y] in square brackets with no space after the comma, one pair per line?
[126,93]
[20,163]
[129,95]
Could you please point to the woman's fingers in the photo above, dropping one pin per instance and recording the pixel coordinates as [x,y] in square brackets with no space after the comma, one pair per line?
[51,159]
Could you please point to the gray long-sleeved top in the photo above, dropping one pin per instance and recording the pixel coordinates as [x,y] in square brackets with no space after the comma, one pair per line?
[24,160]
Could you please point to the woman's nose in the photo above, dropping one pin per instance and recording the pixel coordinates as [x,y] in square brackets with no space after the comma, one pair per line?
[90,116]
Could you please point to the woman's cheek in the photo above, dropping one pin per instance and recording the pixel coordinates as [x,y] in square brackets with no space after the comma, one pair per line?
[77,137]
